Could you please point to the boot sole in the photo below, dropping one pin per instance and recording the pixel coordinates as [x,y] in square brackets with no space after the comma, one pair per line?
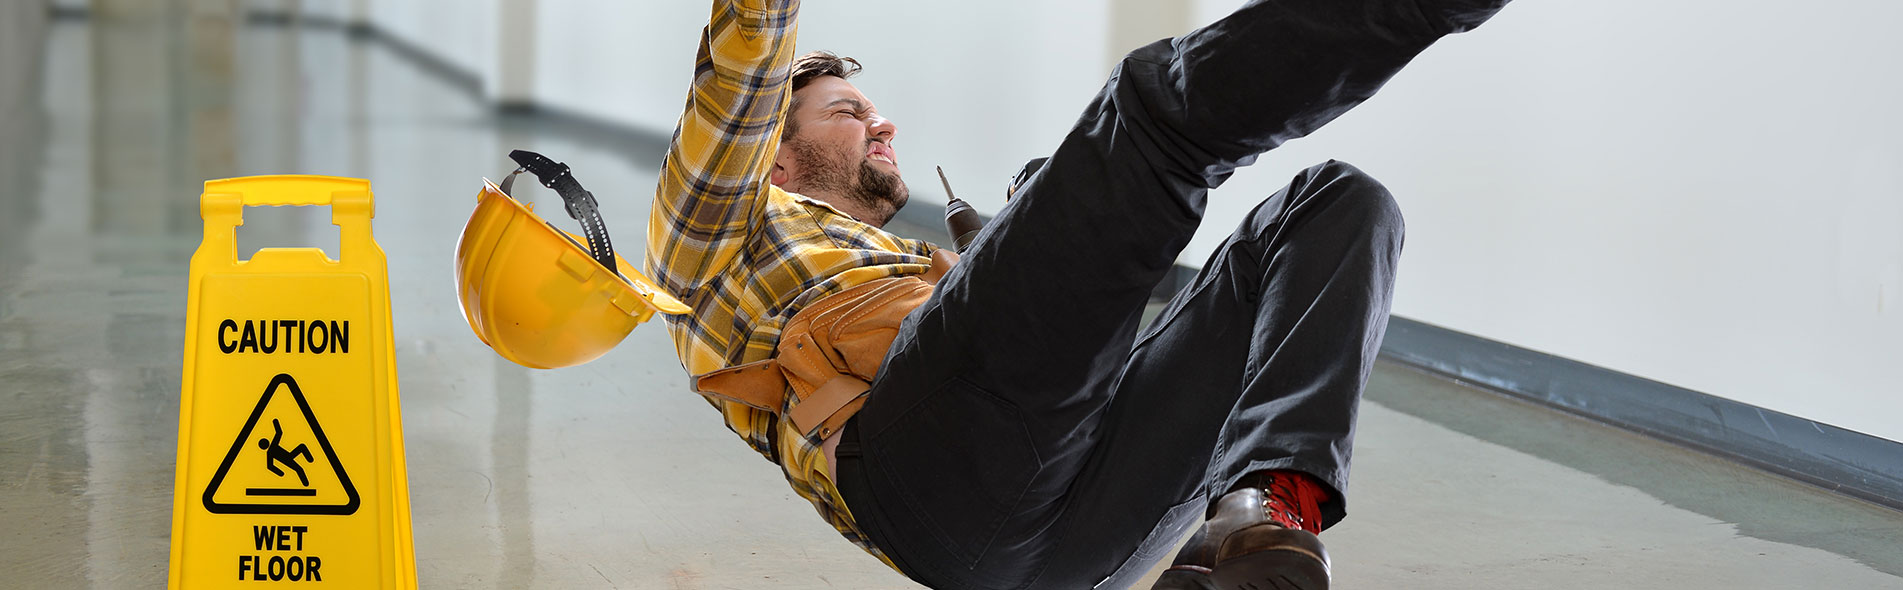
[1272,569]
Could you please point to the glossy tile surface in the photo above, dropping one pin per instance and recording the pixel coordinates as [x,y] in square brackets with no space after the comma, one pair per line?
[612,475]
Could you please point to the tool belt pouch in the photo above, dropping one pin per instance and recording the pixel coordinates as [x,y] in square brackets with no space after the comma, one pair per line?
[828,354]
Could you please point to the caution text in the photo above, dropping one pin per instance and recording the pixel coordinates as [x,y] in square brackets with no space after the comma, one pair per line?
[284,336]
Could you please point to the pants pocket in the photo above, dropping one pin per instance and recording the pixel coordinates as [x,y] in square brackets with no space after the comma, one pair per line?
[1175,523]
[960,461]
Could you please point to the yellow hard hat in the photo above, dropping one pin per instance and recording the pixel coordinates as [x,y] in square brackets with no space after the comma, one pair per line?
[543,297]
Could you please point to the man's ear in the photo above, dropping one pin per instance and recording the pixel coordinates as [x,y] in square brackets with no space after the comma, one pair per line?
[780,174]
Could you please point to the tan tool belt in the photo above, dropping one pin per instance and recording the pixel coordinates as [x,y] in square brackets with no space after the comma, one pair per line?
[828,353]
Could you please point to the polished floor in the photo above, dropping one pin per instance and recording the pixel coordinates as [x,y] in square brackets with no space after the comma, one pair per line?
[613,475]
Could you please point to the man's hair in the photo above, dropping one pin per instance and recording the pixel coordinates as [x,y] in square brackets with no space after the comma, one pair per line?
[809,67]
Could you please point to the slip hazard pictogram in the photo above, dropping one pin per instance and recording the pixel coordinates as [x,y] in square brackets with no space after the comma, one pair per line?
[281,462]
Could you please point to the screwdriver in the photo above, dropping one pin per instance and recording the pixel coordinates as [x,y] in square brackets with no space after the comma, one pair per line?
[960,219]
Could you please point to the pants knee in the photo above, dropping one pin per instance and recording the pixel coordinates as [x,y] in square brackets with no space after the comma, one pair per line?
[1359,194]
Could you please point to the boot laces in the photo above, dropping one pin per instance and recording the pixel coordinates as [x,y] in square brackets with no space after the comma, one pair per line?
[1294,501]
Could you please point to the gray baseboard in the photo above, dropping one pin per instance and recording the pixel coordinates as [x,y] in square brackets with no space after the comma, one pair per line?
[1848,462]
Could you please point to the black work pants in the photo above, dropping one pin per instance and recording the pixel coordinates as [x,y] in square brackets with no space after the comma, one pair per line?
[1021,433]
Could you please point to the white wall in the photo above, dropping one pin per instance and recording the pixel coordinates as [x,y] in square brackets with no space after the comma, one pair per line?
[462,33]
[968,89]
[614,60]
[1703,193]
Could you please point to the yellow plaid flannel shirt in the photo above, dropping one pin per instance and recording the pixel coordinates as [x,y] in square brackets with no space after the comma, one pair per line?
[744,254]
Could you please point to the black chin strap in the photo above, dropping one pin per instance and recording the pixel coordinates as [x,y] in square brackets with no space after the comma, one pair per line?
[579,202]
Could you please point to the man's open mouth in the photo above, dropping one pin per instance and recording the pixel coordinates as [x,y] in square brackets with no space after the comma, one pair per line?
[882,152]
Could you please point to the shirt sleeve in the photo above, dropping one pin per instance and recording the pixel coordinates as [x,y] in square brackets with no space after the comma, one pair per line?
[713,180]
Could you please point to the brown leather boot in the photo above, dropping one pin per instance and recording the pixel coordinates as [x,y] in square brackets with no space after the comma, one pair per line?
[1267,528]
[1190,570]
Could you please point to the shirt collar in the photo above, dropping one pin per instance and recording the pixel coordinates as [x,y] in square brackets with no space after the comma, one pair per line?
[812,201]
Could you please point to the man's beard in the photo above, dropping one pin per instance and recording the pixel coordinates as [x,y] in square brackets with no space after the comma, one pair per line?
[834,171]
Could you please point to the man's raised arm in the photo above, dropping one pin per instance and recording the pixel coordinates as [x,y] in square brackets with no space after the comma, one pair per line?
[715,174]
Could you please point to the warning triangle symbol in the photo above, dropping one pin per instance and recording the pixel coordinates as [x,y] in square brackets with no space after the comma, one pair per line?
[280,474]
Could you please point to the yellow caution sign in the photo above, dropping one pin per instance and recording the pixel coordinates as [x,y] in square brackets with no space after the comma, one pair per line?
[290,446]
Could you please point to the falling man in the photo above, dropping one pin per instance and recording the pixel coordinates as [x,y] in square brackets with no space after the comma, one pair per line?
[998,420]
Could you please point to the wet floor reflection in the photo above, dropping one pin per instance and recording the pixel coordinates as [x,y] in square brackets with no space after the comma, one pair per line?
[510,449]
[1763,507]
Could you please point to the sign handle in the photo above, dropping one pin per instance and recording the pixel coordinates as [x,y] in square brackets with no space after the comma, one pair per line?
[222,208]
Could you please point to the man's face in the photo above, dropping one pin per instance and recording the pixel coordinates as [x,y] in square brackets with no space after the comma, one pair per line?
[842,148]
